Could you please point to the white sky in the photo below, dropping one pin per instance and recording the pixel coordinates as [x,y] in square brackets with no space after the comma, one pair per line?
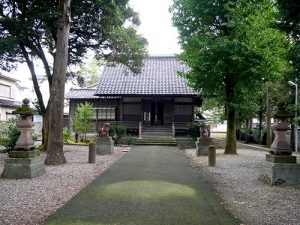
[156,26]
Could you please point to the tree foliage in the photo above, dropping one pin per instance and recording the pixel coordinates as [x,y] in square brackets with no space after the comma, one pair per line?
[89,72]
[232,48]
[83,119]
[28,33]
[96,25]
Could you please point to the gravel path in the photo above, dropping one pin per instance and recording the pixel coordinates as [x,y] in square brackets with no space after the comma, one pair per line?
[29,202]
[235,179]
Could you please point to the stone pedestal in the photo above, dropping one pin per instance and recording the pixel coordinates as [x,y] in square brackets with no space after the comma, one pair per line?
[104,146]
[23,164]
[202,145]
[281,170]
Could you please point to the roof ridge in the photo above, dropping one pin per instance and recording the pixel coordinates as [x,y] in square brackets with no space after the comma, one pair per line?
[161,56]
[83,89]
[8,77]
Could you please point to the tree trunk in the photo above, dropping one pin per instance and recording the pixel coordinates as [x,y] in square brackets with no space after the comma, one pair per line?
[231,132]
[45,129]
[292,138]
[230,147]
[269,115]
[260,133]
[55,154]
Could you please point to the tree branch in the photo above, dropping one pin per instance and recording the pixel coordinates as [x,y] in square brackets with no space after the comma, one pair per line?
[34,79]
[45,62]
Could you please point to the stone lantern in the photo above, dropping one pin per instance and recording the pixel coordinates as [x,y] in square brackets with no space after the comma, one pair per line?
[24,161]
[281,167]
[280,146]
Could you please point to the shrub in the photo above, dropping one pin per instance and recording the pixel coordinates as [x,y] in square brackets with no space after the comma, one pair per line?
[13,134]
[35,135]
[130,140]
[117,132]
[193,130]
[83,119]
[67,135]
[41,148]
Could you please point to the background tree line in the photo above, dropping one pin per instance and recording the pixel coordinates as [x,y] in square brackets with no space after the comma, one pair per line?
[237,51]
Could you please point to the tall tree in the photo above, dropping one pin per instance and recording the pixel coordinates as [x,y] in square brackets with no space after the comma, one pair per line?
[232,49]
[55,154]
[28,33]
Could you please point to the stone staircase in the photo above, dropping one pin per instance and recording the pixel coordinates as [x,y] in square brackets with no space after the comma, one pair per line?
[156,135]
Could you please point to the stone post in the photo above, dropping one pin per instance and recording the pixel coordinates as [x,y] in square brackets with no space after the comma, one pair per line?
[140,130]
[211,155]
[92,152]
[173,130]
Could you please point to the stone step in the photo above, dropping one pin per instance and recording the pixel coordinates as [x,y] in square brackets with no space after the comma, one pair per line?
[156,134]
[156,141]
[157,130]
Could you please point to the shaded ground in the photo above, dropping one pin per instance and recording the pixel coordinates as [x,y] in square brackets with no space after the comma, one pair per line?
[149,186]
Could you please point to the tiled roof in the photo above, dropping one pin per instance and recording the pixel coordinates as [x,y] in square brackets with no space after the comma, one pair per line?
[8,78]
[82,93]
[158,77]
[10,103]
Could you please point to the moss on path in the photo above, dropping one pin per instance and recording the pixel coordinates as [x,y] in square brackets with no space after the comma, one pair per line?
[149,186]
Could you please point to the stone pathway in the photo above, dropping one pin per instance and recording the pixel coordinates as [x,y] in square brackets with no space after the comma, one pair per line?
[149,186]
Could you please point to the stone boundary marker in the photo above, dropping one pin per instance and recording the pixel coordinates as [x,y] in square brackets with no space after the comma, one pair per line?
[92,152]
[211,155]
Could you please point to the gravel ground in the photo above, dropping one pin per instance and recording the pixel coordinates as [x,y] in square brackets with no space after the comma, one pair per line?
[235,180]
[30,201]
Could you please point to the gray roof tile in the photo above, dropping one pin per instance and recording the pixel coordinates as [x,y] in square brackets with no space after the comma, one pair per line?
[10,103]
[158,77]
[83,93]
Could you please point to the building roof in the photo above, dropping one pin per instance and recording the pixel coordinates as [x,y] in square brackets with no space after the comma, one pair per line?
[8,78]
[82,93]
[158,77]
[10,103]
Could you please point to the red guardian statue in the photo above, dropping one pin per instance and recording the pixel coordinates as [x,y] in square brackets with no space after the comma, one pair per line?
[104,130]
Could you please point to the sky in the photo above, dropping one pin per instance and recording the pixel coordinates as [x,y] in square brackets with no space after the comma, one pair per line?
[156,27]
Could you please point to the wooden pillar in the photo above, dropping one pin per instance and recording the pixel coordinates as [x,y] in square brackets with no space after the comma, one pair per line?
[121,109]
[142,109]
[156,110]
[173,104]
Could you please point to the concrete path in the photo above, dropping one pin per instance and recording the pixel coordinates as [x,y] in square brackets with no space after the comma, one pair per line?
[149,186]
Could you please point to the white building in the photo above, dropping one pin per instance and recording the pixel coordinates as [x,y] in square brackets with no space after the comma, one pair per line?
[8,102]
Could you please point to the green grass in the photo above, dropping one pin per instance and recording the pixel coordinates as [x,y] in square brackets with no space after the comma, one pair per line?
[76,143]
[152,190]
